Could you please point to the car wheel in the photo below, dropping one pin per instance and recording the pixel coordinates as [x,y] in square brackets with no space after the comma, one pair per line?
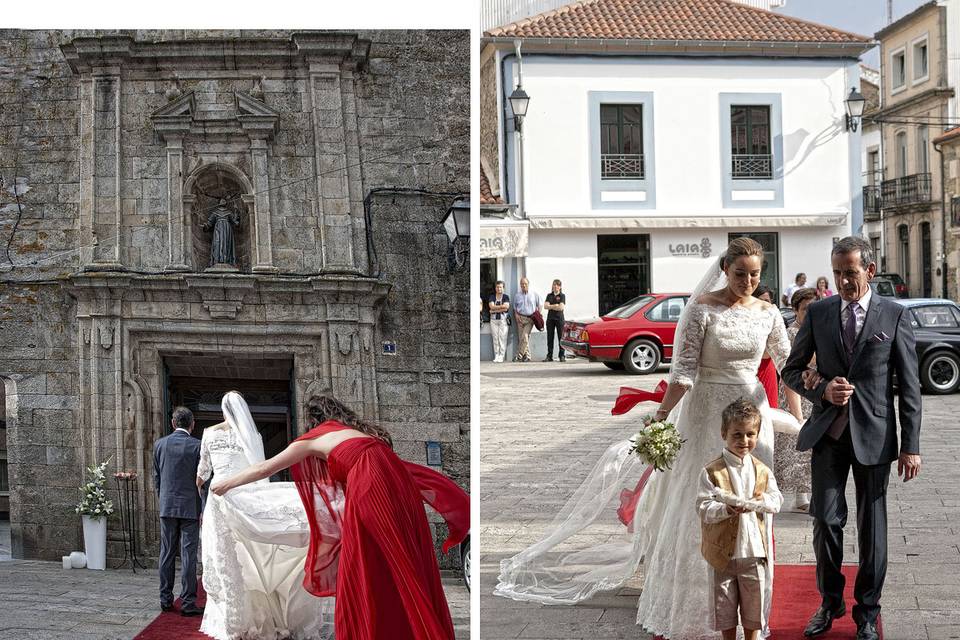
[940,373]
[616,366]
[641,356]
[465,561]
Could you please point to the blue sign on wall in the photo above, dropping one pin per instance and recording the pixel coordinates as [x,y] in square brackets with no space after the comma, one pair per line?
[433,454]
[389,348]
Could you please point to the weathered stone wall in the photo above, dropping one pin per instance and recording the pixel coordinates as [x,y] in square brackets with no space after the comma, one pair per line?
[410,106]
[489,143]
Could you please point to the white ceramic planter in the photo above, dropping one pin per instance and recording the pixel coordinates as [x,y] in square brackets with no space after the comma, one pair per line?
[95,542]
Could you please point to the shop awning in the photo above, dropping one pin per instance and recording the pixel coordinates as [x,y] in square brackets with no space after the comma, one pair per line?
[505,240]
[693,222]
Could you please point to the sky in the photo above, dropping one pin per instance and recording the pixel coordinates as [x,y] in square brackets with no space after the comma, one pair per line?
[865,17]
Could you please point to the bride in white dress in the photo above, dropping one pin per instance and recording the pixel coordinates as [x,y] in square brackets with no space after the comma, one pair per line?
[253,544]
[719,342]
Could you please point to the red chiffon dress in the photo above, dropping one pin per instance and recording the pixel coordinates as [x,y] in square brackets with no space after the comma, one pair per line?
[380,564]
[767,375]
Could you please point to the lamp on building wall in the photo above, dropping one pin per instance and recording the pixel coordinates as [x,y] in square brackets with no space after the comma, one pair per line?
[854,105]
[457,225]
[519,101]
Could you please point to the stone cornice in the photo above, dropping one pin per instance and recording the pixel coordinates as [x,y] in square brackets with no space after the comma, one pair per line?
[90,54]
[896,107]
[227,287]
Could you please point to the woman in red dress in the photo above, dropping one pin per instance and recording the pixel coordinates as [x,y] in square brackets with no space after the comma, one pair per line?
[381,564]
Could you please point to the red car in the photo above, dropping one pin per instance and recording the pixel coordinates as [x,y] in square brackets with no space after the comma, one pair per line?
[636,336]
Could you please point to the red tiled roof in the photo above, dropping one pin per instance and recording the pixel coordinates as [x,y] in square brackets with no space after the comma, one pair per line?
[947,136]
[703,20]
[486,195]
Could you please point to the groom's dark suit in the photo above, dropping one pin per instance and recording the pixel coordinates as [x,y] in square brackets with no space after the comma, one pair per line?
[868,443]
[175,461]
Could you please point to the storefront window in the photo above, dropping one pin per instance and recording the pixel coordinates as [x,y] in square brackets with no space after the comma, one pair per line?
[623,263]
[770,276]
[488,281]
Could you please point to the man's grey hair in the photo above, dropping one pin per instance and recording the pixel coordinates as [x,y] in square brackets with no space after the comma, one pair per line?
[851,244]
[182,418]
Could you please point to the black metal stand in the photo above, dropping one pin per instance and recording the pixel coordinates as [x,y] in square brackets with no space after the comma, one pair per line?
[127,491]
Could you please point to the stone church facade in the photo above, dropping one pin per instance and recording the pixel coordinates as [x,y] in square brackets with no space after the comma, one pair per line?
[332,157]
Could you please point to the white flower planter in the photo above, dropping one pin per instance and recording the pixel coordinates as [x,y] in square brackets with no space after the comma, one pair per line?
[95,542]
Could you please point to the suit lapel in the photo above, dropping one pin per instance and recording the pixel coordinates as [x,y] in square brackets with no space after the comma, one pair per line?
[870,324]
[834,328]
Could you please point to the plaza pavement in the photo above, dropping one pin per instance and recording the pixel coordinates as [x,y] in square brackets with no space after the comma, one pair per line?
[43,601]
[543,426]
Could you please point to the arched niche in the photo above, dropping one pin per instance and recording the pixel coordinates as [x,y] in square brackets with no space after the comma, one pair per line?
[203,190]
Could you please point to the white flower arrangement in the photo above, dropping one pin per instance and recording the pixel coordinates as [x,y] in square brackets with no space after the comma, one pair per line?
[657,444]
[94,502]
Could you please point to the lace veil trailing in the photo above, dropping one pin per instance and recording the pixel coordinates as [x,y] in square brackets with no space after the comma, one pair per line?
[237,414]
[554,570]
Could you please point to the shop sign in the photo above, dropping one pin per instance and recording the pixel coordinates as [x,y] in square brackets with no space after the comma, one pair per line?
[700,249]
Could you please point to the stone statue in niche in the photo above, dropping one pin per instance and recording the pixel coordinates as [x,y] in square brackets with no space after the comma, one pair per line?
[223,220]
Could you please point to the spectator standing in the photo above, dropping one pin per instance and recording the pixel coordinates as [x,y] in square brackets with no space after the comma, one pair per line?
[790,465]
[499,305]
[525,303]
[823,289]
[555,302]
[798,283]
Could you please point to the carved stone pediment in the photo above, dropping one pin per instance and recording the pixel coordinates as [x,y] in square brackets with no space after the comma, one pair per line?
[251,119]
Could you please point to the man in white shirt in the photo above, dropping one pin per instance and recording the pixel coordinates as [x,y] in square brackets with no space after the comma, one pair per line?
[798,283]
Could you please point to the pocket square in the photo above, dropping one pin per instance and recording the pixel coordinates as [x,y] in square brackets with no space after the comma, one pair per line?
[879,337]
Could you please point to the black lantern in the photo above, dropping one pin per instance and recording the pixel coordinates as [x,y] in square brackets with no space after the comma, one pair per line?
[854,105]
[519,101]
[457,225]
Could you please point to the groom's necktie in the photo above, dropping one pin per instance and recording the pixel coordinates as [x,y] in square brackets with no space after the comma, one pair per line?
[850,328]
[849,335]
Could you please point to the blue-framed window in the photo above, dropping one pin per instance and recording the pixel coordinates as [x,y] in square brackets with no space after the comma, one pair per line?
[621,142]
[750,151]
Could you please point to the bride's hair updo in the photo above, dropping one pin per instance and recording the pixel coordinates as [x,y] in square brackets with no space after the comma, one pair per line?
[739,248]
[323,408]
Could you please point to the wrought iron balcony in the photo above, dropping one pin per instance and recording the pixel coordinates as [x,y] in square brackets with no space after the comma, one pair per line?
[871,203]
[752,166]
[900,192]
[622,166]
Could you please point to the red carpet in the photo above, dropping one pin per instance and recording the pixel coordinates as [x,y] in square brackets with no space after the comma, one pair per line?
[795,598]
[170,624]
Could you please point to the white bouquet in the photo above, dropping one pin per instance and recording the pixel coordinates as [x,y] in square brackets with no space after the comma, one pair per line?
[94,502]
[657,444]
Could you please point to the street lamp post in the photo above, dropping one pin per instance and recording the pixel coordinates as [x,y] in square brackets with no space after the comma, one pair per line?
[456,223]
[519,102]
[854,105]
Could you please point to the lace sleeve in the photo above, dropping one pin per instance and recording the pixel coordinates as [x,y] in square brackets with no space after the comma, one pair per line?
[204,469]
[687,358]
[778,342]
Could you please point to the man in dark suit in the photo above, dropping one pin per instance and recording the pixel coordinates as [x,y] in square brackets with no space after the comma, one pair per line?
[175,460]
[860,340]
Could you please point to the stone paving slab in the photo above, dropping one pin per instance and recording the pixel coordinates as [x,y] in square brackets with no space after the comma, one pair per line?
[543,426]
[44,601]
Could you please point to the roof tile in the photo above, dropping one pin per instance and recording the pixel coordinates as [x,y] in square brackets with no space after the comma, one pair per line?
[486,194]
[710,20]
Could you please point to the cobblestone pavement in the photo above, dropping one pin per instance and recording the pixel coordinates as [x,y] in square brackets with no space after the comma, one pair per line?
[542,428]
[43,601]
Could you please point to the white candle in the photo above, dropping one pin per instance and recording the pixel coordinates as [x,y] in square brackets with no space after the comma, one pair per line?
[66,562]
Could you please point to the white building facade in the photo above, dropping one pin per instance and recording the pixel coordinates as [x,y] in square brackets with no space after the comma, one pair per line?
[642,159]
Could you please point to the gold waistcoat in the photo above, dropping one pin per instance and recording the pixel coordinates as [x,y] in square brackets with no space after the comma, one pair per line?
[718,541]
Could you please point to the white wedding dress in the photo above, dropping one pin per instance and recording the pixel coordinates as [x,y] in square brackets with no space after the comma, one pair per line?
[717,357]
[253,546]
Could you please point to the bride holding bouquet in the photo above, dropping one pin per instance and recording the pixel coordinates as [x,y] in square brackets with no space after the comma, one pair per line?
[720,339]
